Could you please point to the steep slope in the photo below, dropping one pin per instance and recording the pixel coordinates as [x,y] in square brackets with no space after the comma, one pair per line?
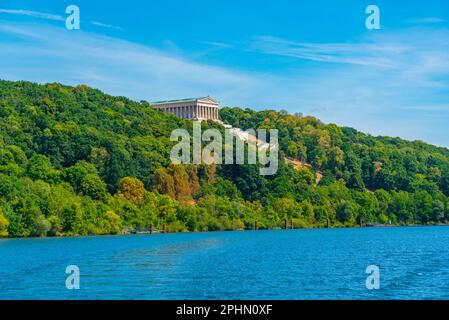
[76,161]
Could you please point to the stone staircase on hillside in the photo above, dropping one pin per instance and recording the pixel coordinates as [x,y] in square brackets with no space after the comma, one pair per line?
[245,136]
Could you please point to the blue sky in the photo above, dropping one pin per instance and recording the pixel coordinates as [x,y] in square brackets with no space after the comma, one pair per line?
[314,57]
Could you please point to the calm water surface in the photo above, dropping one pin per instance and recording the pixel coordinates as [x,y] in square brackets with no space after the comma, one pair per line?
[290,264]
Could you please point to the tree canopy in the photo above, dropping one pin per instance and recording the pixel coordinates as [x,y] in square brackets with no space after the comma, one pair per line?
[76,161]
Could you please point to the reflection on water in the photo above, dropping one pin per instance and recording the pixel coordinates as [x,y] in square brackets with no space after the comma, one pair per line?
[291,264]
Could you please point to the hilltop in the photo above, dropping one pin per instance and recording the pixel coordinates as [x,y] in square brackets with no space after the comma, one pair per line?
[76,161]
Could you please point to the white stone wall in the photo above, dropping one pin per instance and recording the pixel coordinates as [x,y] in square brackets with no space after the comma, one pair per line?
[190,110]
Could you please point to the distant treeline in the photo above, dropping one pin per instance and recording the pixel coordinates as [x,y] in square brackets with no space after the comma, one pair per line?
[75,161]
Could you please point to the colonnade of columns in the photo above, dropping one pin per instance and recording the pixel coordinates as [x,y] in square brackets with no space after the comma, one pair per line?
[193,112]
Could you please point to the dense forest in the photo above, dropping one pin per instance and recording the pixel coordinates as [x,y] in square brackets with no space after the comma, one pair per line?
[76,161]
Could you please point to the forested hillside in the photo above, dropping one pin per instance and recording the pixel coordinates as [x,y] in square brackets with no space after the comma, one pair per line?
[75,161]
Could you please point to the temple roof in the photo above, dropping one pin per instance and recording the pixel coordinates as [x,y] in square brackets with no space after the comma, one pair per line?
[207,99]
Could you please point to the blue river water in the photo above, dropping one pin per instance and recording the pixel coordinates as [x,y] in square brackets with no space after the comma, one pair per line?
[280,264]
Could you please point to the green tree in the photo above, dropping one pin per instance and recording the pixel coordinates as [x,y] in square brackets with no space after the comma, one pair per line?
[39,167]
[4,223]
[346,211]
[40,226]
[94,187]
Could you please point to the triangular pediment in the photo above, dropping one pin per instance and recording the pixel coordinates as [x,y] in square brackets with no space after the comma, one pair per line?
[208,99]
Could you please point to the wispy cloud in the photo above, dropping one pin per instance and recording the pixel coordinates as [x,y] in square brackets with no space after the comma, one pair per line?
[117,66]
[368,54]
[389,83]
[35,14]
[216,44]
[53,17]
[392,83]
[428,20]
[105,25]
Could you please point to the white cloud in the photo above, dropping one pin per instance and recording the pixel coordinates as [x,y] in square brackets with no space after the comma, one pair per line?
[391,83]
[53,17]
[34,14]
[216,44]
[390,51]
[428,20]
[114,65]
[105,25]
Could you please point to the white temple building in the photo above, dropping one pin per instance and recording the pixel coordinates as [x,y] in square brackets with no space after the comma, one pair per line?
[205,108]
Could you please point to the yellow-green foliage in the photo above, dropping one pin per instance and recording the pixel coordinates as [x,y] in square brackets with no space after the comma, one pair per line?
[75,161]
[3,224]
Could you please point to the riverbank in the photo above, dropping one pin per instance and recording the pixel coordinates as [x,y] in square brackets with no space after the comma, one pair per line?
[161,232]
